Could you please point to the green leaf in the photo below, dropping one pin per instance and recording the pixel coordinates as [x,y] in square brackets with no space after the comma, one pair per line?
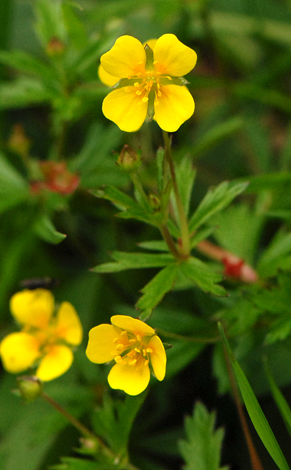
[134,261]
[50,21]
[185,174]
[275,254]
[71,463]
[155,290]
[203,276]
[44,229]
[154,245]
[279,399]
[26,63]
[13,188]
[202,450]
[132,210]
[114,419]
[24,91]
[214,201]
[216,134]
[255,411]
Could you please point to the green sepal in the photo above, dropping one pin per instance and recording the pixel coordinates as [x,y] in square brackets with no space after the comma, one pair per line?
[149,58]
[123,82]
[45,229]
[151,105]
[167,80]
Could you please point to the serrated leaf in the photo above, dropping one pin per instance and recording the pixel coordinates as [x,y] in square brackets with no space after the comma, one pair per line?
[114,419]
[132,210]
[185,174]
[202,450]
[214,201]
[126,261]
[155,290]
[203,276]
[45,229]
[275,254]
[254,410]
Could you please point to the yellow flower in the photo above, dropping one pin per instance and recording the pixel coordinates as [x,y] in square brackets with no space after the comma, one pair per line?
[148,81]
[46,340]
[135,348]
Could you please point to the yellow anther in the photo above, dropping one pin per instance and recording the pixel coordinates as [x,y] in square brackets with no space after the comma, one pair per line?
[137,350]
[136,84]
[120,347]
[149,350]
[145,99]
[138,337]
[132,341]
[146,362]
[138,92]
[132,362]
[169,78]
[124,333]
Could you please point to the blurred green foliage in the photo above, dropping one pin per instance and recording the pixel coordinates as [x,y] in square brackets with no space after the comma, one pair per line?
[233,162]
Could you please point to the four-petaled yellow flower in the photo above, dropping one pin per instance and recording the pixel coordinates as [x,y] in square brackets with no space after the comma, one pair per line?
[148,80]
[135,348]
[46,340]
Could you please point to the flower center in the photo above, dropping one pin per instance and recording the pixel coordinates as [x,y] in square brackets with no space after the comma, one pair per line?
[145,82]
[133,350]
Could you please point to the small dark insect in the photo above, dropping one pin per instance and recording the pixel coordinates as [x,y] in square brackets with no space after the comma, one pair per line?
[39,283]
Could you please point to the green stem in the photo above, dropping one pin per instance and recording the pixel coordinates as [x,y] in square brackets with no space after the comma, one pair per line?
[185,238]
[138,186]
[170,242]
[191,339]
[83,430]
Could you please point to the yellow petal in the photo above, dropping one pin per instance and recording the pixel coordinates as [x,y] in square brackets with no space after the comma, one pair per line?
[174,107]
[68,325]
[125,108]
[33,307]
[158,357]
[126,58]
[19,351]
[55,363]
[173,57]
[132,380]
[106,78]
[132,325]
[101,346]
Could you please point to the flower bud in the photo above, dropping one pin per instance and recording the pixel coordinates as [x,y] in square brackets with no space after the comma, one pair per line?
[128,159]
[55,47]
[154,201]
[30,387]
[18,141]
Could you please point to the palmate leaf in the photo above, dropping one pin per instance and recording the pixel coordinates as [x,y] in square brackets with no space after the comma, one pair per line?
[215,201]
[156,289]
[202,449]
[203,276]
[131,209]
[114,419]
